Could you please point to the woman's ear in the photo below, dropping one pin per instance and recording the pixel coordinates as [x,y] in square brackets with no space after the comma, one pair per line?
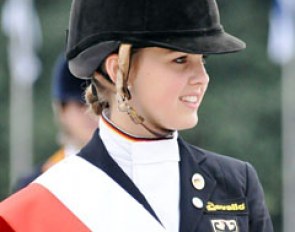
[112,66]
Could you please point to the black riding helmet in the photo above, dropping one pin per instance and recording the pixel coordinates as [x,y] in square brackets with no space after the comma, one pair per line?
[98,27]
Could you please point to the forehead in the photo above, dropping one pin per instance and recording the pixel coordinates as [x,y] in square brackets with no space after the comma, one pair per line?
[159,53]
[159,50]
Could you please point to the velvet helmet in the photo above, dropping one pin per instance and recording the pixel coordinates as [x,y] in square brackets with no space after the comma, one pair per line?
[98,27]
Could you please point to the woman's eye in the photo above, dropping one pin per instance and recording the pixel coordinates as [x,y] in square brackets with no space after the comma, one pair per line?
[180,60]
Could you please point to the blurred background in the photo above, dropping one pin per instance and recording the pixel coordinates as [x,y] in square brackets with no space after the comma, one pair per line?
[241,115]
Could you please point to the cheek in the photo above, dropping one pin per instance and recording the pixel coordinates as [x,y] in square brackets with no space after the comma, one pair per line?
[84,121]
[77,119]
[168,91]
[159,91]
[168,97]
[82,127]
[157,88]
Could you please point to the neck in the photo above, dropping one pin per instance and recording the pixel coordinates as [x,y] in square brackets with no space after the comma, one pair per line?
[143,130]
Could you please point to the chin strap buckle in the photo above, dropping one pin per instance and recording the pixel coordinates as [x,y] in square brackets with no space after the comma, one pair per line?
[123,94]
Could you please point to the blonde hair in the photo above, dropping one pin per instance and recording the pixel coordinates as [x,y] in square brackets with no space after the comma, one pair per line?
[96,97]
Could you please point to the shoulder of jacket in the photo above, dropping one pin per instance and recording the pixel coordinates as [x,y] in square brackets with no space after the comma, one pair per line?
[213,157]
[221,166]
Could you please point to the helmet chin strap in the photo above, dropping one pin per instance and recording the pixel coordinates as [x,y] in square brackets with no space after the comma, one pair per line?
[123,95]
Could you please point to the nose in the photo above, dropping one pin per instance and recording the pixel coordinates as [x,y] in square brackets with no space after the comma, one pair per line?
[199,75]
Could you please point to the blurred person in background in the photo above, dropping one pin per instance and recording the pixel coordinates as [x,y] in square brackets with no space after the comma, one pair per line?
[145,60]
[75,124]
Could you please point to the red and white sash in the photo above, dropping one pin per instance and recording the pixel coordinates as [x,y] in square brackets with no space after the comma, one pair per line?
[85,197]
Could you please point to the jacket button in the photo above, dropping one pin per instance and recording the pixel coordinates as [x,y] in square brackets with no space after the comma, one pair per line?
[198,203]
[198,181]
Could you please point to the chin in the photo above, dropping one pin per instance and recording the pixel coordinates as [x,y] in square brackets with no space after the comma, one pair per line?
[187,124]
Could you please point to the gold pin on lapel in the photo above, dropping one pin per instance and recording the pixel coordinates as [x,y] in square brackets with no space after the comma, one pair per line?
[198,203]
[198,181]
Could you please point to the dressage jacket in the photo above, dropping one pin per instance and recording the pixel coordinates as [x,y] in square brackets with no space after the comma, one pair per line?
[90,192]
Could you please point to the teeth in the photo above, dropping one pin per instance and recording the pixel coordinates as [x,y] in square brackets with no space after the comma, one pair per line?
[191,99]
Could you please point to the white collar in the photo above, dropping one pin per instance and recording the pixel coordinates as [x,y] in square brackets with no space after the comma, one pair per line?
[149,164]
[137,150]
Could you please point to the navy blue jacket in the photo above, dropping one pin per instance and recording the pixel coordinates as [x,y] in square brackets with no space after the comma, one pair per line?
[232,198]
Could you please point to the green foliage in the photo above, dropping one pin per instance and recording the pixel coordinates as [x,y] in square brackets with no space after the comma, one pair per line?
[240,116]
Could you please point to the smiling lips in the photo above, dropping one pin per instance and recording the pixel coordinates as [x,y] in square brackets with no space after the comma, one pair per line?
[192,100]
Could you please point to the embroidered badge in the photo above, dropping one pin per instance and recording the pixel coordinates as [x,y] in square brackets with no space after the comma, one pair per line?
[212,207]
[225,225]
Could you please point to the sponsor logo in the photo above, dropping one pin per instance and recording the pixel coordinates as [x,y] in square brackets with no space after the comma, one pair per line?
[212,207]
[224,225]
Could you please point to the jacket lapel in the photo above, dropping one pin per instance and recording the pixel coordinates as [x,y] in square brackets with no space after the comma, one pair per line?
[192,161]
[96,153]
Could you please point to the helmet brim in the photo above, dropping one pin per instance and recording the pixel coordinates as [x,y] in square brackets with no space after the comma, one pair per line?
[218,43]
[85,63]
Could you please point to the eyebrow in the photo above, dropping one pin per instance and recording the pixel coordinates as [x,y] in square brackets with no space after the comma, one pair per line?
[185,53]
[169,52]
[173,51]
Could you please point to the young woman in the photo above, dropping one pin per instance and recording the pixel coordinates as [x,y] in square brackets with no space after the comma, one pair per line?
[75,125]
[146,63]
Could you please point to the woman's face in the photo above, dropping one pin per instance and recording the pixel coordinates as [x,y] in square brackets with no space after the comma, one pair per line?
[77,124]
[167,87]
